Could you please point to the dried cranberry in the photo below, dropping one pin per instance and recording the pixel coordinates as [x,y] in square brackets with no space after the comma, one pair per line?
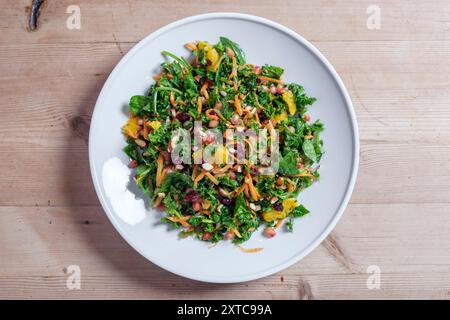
[192,196]
[226,201]
[183,117]
[278,206]
[254,171]
[262,116]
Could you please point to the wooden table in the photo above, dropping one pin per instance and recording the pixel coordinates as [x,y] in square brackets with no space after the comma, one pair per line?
[399,215]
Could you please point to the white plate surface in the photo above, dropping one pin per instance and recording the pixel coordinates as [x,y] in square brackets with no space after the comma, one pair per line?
[263,41]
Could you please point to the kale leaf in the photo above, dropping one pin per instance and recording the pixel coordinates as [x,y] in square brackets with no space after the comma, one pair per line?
[240,56]
[272,71]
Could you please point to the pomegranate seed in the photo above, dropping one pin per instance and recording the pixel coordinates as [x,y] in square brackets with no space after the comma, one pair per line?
[280,90]
[229,236]
[273,89]
[257,69]
[196,206]
[307,117]
[133,164]
[206,236]
[270,232]
[226,202]
[213,123]
[140,122]
[232,175]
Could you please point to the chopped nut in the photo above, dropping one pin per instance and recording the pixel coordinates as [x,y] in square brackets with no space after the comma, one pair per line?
[280,181]
[207,166]
[273,200]
[140,143]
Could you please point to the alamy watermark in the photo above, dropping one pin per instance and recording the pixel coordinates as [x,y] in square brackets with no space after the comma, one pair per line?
[73,281]
[73,22]
[374,279]
[374,18]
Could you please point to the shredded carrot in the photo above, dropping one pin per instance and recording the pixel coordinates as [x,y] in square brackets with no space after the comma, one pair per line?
[253,250]
[157,77]
[146,131]
[237,105]
[194,172]
[204,92]
[190,46]
[254,193]
[257,119]
[241,189]
[172,99]
[304,175]
[246,190]
[309,137]
[236,232]
[199,105]
[159,169]
[163,174]
[234,68]
[182,220]
[224,169]
[199,177]
[211,114]
[212,178]
[278,224]
[271,79]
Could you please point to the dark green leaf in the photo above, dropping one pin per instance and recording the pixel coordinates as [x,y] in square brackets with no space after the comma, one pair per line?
[240,56]
[309,150]
[288,164]
[272,71]
[138,103]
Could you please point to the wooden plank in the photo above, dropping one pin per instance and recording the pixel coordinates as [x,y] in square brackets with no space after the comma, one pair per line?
[324,20]
[37,244]
[396,99]
[398,78]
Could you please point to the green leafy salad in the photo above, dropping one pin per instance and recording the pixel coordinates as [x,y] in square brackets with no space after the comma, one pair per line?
[230,198]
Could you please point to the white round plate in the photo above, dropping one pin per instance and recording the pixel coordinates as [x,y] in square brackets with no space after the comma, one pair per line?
[263,41]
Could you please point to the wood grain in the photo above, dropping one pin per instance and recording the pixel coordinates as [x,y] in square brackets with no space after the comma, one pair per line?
[398,219]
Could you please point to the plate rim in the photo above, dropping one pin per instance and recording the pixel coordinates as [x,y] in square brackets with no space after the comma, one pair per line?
[350,109]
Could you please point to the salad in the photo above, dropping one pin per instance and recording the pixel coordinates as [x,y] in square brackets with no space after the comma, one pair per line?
[228,199]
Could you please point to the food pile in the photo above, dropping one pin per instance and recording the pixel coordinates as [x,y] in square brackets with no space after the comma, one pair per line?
[224,200]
